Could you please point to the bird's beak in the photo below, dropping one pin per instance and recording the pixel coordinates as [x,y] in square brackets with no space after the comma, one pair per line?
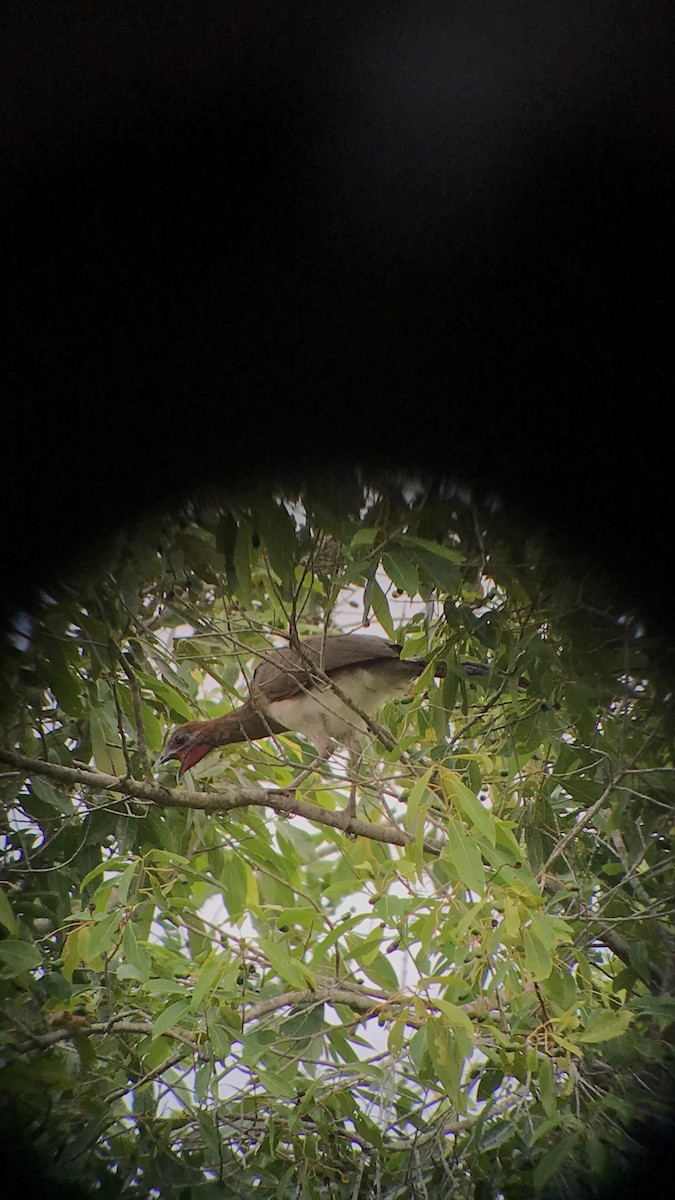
[187,757]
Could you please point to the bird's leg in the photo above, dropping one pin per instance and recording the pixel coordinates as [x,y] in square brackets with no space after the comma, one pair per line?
[355,755]
[313,766]
[324,745]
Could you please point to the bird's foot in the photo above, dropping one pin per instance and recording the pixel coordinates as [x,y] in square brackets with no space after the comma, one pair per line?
[288,794]
[347,816]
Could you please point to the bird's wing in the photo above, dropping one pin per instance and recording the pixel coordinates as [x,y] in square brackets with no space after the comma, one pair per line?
[283,673]
[354,649]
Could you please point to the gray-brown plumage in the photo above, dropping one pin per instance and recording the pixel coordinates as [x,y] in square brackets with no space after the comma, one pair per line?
[286,695]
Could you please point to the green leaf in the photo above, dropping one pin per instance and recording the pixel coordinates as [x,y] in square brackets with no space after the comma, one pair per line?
[102,935]
[155,1051]
[507,839]
[71,955]
[242,562]
[290,969]
[85,1138]
[546,1081]
[560,989]
[16,957]
[511,921]
[365,536]
[433,548]
[381,609]
[544,929]
[438,563]
[125,880]
[605,1024]
[62,682]
[234,882]
[7,918]
[138,958]
[402,572]
[552,1161]
[496,1133]
[457,1017]
[443,574]
[171,1016]
[468,804]
[538,961]
[221,1039]
[418,1046]
[414,820]
[163,987]
[167,694]
[226,536]
[395,1037]
[207,979]
[322,947]
[415,646]
[363,951]
[367,1128]
[108,864]
[202,1081]
[341,1045]
[276,1085]
[303,1024]
[380,970]
[464,856]
[107,755]
[52,796]
[152,730]
[277,529]
[419,787]
[445,1056]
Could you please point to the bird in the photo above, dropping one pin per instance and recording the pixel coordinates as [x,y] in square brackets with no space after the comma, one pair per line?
[287,694]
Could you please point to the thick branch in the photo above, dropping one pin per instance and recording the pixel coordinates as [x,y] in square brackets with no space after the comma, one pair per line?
[340,991]
[82,1026]
[329,991]
[286,803]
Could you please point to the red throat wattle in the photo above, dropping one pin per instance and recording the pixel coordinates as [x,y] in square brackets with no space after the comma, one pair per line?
[193,756]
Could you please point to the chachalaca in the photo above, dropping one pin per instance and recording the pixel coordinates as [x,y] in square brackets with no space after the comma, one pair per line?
[286,695]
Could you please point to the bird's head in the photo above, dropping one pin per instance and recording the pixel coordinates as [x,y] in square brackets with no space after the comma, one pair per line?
[189,744]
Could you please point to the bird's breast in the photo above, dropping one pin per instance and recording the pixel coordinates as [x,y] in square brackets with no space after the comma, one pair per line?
[319,710]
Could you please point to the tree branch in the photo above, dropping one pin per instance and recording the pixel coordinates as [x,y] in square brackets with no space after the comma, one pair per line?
[340,991]
[580,824]
[284,802]
[329,991]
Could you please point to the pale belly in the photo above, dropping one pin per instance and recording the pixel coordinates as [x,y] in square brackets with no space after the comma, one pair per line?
[320,715]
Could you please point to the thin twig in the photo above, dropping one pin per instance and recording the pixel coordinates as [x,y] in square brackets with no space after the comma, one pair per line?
[583,821]
[113,688]
[138,716]
[172,1061]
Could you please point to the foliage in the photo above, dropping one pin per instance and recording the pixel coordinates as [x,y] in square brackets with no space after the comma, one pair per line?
[215,997]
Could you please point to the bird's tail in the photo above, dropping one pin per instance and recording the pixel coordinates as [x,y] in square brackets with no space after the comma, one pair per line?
[472,668]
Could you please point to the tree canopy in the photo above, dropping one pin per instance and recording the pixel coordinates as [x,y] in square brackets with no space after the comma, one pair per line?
[214,988]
